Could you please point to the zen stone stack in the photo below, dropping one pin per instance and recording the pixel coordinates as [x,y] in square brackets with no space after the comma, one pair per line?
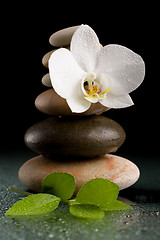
[75,143]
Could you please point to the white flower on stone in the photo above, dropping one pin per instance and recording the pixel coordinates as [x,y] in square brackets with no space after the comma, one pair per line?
[89,73]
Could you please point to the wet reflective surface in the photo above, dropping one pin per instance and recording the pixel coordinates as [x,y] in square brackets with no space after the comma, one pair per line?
[143,222]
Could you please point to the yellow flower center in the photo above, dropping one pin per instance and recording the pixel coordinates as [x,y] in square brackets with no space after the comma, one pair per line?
[93,89]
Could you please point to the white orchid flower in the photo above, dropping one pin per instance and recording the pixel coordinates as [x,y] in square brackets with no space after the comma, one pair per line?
[89,73]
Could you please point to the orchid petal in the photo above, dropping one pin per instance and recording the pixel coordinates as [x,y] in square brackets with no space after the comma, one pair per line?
[114,101]
[93,98]
[65,73]
[78,104]
[85,47]
[125,68]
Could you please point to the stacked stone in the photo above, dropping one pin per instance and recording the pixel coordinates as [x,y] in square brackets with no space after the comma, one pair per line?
[78,144]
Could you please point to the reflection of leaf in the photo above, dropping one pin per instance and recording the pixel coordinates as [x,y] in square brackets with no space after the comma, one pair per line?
[34,204]
[86,211]
[59,184]
[117,205]
[99,192]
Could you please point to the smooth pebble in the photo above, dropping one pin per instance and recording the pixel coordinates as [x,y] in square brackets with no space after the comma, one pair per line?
[77,137]
[46,58]
[114,168]
[62,37]
[51,103]
[46,81]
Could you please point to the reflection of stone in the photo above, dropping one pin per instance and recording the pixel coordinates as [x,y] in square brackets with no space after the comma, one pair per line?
[125,200]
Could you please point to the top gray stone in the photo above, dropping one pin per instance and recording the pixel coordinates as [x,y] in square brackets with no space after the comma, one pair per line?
[63,37]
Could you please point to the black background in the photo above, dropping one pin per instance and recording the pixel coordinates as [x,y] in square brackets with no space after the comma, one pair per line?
[25,34]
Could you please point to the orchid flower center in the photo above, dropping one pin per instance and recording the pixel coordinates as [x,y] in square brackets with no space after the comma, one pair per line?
[93,89]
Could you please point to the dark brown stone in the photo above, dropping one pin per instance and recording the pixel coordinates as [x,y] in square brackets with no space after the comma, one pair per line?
[77,137]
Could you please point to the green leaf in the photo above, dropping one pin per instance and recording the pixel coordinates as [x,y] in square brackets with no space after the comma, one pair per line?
[86,211]
[117,205]
[34,204]
[99,192]
[61,185]
[19,191]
